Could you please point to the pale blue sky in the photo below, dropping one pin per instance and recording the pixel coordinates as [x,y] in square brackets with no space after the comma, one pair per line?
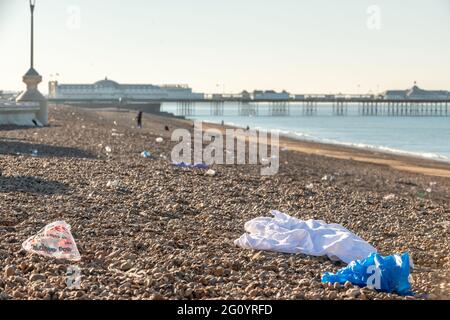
[301,46]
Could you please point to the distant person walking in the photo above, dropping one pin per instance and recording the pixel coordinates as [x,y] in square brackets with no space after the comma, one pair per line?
[139,120]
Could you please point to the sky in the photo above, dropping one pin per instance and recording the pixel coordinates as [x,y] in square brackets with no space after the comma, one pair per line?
[302,46]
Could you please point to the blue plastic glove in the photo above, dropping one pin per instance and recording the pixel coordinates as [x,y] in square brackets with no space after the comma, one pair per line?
[388,274]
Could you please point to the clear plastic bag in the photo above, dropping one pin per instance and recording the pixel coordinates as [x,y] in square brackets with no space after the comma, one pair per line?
[54,241]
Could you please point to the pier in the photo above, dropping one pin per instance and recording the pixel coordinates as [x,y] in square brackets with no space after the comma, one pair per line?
[310,106]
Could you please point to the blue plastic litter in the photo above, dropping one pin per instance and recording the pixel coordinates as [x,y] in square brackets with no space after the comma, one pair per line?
[189,165]
[201,166]
[146,154]
[388,274]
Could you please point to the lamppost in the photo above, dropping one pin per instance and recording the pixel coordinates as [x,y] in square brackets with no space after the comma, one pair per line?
[32,5]
[32,79]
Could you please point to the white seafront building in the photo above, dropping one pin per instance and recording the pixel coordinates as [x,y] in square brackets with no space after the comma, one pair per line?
[270,95]
[416,93]
[110,90]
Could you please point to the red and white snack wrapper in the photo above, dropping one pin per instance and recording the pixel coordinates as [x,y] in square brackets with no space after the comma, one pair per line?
[54,241]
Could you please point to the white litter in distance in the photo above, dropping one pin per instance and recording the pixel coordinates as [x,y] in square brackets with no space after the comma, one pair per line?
[389,197]
[328,178]
[286,234]
[159,140]
[309,186]
[112,184]
[210,173]
[108,149]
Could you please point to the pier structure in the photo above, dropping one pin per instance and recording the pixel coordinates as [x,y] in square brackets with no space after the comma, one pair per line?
[340,108]
[279,108]
[309,108]
[186,108]
[217,107]
[247,109]
[405,108]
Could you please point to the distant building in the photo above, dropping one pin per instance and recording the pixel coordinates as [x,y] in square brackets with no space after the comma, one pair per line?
[270,95]
[108,89]
[246,95]
[7,95]
[416,93]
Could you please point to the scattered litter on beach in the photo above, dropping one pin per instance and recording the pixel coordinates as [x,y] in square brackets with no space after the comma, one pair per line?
[189,165]
[428,190]
[54,241]
[388,274]
[146,154]
[159,140]
[433,183]
[421,195]
[115,134]
[112,183]
[34,153]
[108,149]
[210,173]
[389,197]
[286,234]
[328,178]
[163,156]
[309,186]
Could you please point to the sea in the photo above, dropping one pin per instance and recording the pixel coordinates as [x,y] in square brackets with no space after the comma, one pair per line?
[425,137]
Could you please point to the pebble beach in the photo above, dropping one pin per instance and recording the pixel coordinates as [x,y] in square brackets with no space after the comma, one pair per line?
[147,230]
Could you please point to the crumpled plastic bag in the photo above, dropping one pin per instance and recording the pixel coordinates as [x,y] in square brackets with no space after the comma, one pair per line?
[189,165]
[54,241]
[287,234]
[388,274]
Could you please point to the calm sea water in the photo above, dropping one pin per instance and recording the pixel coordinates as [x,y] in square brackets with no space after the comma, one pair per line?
[427,137]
